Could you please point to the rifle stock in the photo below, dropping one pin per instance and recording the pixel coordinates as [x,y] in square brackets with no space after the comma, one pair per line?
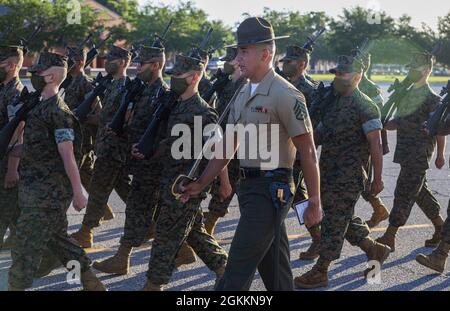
[132,93]
[438,117]
[29,100]
[399,90]
[82,111]
[146,144]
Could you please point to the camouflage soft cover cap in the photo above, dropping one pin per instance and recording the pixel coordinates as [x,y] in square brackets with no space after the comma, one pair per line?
[7,51]
[147,53]
[231,53]
[348,64]
[185,64]
[294,52]
[47,60]
[117,52]
[420,59]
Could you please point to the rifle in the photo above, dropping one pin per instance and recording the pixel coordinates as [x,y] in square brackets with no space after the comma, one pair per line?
[196,51]
[215,49]
[71,61]
[167,100]
[157,41]
[24,43]
[399,91]
[134,90]
[94,51]
[324,96]
[309,45]
[360,54]
[101,83]
[438,117]
[29,100]
[220,81]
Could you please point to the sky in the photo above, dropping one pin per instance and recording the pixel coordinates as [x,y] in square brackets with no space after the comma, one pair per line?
[230,11]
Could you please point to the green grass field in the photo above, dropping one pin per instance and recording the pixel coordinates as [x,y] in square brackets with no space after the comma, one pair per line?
[379,78]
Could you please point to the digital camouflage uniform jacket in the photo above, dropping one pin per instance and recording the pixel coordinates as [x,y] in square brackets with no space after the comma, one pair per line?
[44,182]
[345,149]
[183,113]
[414,146]
[111,146]
[8,93]
[74,95]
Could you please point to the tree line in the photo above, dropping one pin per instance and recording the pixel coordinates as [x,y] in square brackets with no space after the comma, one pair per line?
[393,39]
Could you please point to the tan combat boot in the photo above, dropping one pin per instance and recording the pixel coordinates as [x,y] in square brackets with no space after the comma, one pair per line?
[48,263]
[374,251]
[313,251]
[150,287]
[185,256]
[438,223]
[219,274]
[380,213]
[91,283]
[210,222]
[316,277]
[388,237]
[109,214]
[437,259]
[117,264]
[84,237]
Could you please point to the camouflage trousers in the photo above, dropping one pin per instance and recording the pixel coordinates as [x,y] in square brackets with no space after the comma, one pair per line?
[178,223]
[446,228]
[38,232]
[300,192]
[141,205]
[412,187]
[339,222]
[108,175]
[367,194]
[215,207]
[9,207]
[87,169]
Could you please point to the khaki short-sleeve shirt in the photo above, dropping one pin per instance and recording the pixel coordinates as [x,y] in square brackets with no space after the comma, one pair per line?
[266,120]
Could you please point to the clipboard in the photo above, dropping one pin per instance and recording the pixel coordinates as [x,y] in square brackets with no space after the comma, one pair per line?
[300,208]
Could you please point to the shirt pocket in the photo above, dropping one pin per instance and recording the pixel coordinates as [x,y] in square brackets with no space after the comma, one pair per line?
[258,117]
